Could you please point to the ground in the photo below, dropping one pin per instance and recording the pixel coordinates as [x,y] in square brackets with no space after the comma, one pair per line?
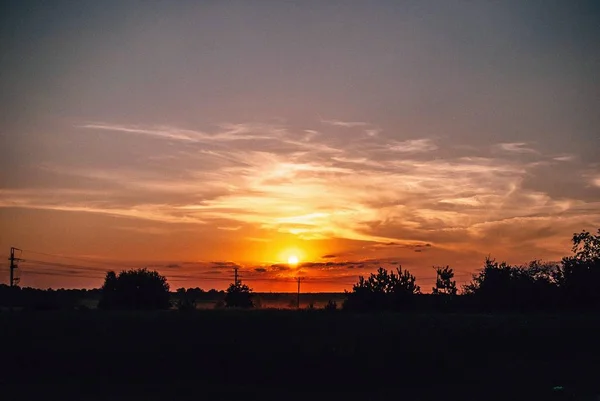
[287,354]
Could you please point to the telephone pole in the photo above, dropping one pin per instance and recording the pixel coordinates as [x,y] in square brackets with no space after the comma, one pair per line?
[235,276]
[13,266]
[298,300]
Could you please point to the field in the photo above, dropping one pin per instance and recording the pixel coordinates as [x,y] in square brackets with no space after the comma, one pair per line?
[288,355]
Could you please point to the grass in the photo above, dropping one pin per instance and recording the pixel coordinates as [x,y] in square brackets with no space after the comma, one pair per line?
[226,354]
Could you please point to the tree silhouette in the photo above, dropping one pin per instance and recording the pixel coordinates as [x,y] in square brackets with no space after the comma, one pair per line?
[383,290]
[238,295]
[502,286]
[579,274]
[444,285]
[135,289]
[186,301]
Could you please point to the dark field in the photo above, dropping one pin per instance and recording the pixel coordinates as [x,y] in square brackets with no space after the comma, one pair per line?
[304,355]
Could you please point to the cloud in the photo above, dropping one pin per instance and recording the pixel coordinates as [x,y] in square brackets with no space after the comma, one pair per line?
[235,228]
[414,146]
[225,265]
[255,181]
[228,132]
[516,147]
[280,267]
[345,124]
[564,158]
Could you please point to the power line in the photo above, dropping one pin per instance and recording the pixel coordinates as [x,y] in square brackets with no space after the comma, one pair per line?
[108,264]
[78,269]
[36,273]
[58,264]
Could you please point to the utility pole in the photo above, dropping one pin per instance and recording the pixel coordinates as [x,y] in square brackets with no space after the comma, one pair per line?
[235,276]
[13,266]
[298,300]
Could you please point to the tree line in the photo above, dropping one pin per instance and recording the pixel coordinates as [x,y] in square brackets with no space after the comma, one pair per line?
[571,284]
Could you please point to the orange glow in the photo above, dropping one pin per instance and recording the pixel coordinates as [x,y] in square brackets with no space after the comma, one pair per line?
[292,256]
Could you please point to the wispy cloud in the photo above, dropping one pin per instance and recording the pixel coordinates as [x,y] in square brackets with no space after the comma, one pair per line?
[312,185]
[228,132]
[345,124]
[516,147]
[564,158]
[414,146]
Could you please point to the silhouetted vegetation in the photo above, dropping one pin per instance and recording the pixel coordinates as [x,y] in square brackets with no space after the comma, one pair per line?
[38,299]
[135,289]
[472,356]
[568,285]
[579,274]
[186,301]
[331,305]
[383,291]
[444,285]
[238,295]
[499,286]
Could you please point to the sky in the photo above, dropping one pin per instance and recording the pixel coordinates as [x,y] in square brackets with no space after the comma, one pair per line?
[192,137]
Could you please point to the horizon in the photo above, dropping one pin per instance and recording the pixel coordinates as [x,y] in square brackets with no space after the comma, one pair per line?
[320,140]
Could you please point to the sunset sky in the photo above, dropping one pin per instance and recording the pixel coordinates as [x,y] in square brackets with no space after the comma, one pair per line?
[195,136]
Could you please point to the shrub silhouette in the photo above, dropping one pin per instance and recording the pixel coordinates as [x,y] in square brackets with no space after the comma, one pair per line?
[331,305]
[185,304]
[383,290]
[239,295]
[135,289]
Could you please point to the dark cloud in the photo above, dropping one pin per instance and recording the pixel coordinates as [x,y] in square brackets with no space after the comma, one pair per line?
[224,265]
[325,264]
[167,266]
[260,269]
[328,256]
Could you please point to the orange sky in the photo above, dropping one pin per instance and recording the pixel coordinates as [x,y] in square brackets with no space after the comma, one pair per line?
[196,137]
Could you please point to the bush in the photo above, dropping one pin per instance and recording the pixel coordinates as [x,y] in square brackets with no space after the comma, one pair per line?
[239,295]
[135,289]
[331,306]
[382,291]
[185,305]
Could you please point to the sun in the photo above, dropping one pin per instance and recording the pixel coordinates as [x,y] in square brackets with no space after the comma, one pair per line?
[293,260]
